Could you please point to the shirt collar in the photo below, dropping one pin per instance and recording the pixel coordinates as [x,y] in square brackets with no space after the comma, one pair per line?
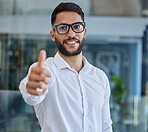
[61,63]
[86,66]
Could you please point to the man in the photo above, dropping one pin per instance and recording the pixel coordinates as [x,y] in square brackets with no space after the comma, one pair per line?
[68,93]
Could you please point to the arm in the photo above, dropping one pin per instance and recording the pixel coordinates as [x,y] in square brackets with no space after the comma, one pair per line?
[106,120]
[34,87]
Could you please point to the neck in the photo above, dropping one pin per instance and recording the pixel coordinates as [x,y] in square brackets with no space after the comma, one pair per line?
[75,62]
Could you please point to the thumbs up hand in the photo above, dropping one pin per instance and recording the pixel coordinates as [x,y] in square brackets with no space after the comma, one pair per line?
[39,78]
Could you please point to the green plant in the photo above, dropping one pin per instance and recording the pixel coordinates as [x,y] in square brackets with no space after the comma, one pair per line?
[118,90]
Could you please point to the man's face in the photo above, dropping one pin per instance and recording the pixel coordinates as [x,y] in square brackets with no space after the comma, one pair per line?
[71,43]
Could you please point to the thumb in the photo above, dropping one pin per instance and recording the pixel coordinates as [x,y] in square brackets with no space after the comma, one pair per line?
[41,58]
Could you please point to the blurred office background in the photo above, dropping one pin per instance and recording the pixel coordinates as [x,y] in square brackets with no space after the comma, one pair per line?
[116,42]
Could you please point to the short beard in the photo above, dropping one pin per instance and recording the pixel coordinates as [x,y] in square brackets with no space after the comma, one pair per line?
[63,50]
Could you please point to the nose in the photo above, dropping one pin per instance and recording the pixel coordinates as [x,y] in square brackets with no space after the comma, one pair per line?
[71,33]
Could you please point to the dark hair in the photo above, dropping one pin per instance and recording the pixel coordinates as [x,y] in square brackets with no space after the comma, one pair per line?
[69,6]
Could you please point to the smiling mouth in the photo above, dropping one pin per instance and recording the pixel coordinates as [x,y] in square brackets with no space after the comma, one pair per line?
[72,41]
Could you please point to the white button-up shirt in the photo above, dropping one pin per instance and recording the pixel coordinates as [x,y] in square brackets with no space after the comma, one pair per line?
[74,102]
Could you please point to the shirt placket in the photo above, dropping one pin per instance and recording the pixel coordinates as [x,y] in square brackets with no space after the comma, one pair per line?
[84,104]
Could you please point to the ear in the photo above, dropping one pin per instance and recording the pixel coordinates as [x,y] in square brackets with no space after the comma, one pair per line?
[52,34]
[85,32]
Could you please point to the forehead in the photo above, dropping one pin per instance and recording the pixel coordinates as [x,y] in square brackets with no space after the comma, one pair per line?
[68,17]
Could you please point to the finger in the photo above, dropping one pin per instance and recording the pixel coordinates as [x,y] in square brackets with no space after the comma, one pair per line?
[41,71]
[39,78]
[35,91]
[34,85]
[36,77]
[41,58]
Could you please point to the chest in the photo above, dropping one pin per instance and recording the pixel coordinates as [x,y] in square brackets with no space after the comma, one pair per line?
[78,89]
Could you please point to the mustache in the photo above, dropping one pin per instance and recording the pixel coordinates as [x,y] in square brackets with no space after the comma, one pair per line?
[71,39]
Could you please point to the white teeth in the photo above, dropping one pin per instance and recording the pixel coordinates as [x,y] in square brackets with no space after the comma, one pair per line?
[71,42]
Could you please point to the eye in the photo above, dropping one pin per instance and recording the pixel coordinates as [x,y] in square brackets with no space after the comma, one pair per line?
[77,26]
[62,27]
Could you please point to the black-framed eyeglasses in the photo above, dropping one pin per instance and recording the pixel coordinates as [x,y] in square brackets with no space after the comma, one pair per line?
[63,28]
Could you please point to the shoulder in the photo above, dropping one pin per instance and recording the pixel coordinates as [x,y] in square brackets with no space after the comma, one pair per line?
[103,79]
[100,74]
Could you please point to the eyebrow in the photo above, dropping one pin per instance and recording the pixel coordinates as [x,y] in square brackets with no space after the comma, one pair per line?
[69,24]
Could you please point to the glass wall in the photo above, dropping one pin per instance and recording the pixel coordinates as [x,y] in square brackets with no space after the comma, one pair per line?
[19,52]
[15,114]
[121,60]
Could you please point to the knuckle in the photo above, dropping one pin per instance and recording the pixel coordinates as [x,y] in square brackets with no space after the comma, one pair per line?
[44,79]
[40,85]
[28,84]
[29,77]
[33,69]
[27,89]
